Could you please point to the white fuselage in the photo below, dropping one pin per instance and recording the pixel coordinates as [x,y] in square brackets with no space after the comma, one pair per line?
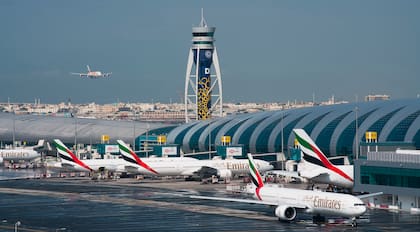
[176,166]
[185,166]
[115,165]
[95,74]
[18,154]
[315,202]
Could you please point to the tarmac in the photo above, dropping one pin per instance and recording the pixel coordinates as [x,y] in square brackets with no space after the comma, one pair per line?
[81,204]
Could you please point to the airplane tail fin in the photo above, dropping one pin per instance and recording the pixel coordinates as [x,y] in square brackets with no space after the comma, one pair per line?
[313,155]
[41,143]
[88,68]
[255,176]
[67,155]
[132,157]
[310,151]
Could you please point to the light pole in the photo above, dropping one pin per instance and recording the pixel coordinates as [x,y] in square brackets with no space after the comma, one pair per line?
[134,130]
[282,140]
[209,140]
[75,130]
[17,224]
[147,140]
[357,133]
[14,127]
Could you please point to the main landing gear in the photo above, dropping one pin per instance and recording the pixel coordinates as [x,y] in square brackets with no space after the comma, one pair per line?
[353,222]
[318,219]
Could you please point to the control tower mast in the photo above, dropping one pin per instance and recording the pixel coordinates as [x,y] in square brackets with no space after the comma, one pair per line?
[203,90]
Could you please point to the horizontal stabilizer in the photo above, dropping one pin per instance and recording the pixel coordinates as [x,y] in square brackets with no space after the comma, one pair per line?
[370,195]
[313,174]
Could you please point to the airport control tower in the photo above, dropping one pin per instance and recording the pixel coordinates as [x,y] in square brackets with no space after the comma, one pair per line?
[203,90]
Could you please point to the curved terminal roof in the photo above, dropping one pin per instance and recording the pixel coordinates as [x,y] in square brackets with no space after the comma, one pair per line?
[332,127]
[31,128]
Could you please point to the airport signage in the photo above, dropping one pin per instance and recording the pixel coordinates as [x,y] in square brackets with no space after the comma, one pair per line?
[233,151]
[112,149]
[169,150]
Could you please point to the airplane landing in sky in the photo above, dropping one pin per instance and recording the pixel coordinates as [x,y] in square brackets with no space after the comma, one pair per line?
[93,74]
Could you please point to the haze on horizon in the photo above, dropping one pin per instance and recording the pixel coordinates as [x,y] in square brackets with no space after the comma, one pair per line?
[269,51]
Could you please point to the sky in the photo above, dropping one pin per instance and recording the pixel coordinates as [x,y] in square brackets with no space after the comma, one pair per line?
[269,51]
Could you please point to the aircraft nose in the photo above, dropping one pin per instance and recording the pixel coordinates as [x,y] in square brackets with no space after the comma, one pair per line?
[362,209]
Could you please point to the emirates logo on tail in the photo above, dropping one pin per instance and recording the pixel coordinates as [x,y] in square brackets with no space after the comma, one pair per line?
[255,176]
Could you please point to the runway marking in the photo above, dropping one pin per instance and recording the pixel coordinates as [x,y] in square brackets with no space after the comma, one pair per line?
[204,209]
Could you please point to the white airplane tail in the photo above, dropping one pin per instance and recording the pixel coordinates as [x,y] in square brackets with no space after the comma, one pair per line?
[88,68]
[312,155]
[132,157]
[69,156]
[255,176]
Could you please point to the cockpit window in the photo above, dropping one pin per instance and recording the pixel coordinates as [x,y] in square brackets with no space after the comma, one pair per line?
[359,204]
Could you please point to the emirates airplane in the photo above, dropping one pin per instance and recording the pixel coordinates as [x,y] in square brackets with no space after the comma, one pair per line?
[288,202]
[186,166]
[70,161]
[93,74]
[176,166]
[21,153]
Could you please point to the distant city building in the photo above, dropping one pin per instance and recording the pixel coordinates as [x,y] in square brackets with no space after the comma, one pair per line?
[377,97]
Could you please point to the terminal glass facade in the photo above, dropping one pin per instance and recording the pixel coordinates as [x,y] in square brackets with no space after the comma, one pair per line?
[397,177]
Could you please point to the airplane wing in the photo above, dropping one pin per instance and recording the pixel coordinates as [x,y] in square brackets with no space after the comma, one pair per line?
[369,195]
[206,172]
[66,165]
[189,172]
[250,201]
[80,74]
[131,169]
[285,173]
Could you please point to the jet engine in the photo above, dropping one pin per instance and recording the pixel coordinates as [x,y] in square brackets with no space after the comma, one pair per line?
[285,213]
[224,174]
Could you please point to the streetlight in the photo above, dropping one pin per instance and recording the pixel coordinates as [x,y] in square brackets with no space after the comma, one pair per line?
[147,140]
[134,129]
[282,140]
[357,133]
[209,142]
[17,224]
[14,127]
[75,128]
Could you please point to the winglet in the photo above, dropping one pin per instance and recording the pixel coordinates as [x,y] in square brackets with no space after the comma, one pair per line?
[255,176]
[66,154]
[131,157]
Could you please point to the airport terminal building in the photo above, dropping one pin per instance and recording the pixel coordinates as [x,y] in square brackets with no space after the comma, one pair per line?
[336,129]
[332,127]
